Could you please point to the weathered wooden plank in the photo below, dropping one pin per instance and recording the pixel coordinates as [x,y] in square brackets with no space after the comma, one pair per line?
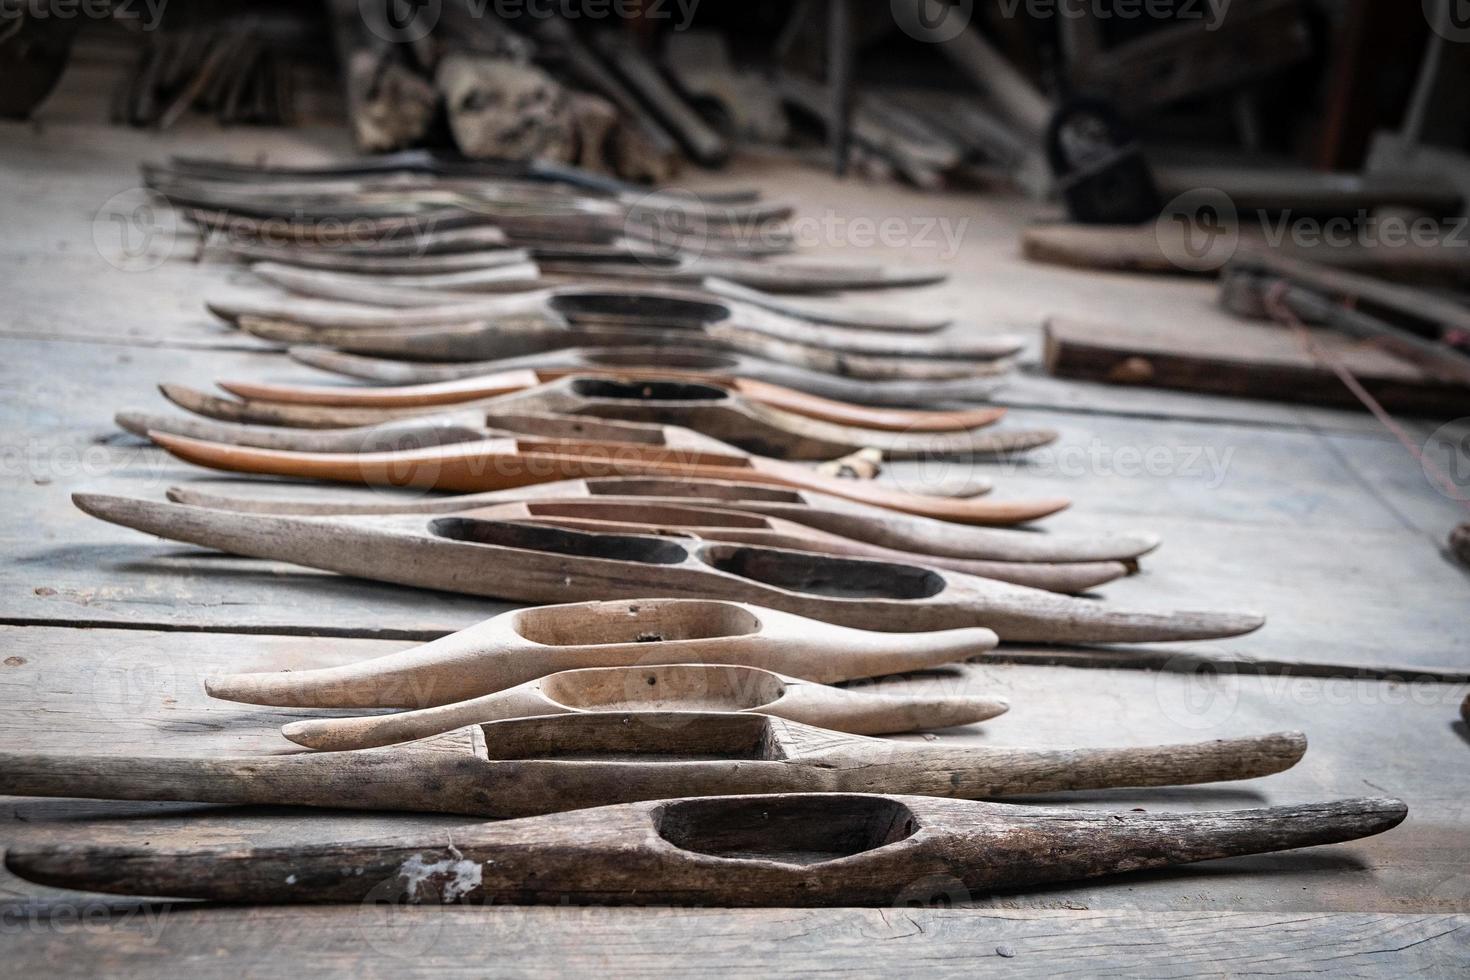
[81,229]
[390,942]
[1251,360]
[1252,517]
[135,692]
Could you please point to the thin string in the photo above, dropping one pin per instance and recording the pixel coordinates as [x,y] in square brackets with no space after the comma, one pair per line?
[1276,306]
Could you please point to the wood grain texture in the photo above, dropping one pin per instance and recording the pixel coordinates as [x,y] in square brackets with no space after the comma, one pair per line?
[488,385]
[135,693]
[674,687]
[508,463]
[1308,504]
[690,360]
[464,553]
[1255,361]
[790,850]
[525,644]
[555,763]
[435,942]
[823,512]
[1345,552]
[724,412]
[465,337]
[564,316]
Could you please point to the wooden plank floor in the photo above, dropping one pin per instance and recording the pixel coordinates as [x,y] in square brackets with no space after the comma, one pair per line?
[1313,516]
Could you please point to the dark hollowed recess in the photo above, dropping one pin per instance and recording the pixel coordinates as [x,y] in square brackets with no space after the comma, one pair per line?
[841,578]
[660,311]
[666,487]
[648,391]
[556,541]
[674,360]
[637,622]
[792,829]
[666,514]
[611,736]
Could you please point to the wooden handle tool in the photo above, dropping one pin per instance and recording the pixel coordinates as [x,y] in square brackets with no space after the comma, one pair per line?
[491,385]
[525,644]
[785,850]
[363,330]
[554,763]
[721,412]
[673,687]
[496,464]
[850,519]
[459,553]
[691,361]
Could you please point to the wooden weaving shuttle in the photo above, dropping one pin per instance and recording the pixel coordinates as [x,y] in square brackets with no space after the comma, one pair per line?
[523,211]
[451,252]
[850,519]
[454,261]
[508,382]
[752,279]
[518,200]
[361,302]
[557,221]
[634,515]
[447,277]
[323,229]
[847,518]
[639,515]
[460,553]
[458,277]
[554,763]
[784,850]
[724,413]
[690,517]
[438,429]
[799,276]
[671,687]
[689,362]
[479,340]
[501,464]
[525,644]
[303,429]
[427,162]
